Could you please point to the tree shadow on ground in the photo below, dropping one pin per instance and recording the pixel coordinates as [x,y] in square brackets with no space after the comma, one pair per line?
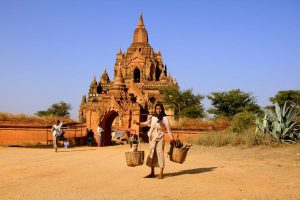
[191,171]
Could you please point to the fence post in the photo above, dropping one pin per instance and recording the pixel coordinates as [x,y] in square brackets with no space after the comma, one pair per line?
[46,135]
[68,132]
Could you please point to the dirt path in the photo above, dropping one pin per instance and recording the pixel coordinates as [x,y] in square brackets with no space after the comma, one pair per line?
[92,173]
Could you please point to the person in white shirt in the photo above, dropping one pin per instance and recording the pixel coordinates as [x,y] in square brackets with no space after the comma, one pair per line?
[56,130]
[99,131]
[159,124]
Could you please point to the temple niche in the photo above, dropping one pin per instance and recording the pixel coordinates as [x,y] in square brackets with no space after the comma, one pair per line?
[139,78]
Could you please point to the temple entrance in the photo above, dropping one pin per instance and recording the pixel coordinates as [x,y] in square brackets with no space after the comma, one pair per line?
[106,125]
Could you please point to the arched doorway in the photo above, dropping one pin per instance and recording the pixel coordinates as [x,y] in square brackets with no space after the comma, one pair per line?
[106,125]
[136,75]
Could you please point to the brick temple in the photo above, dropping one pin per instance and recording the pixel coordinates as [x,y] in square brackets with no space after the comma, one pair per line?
[139,79]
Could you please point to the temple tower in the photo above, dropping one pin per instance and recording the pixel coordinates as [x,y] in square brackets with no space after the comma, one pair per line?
[139,79]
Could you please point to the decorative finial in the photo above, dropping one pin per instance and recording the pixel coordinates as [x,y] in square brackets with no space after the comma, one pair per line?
[83,100]
[141,23]
[158,53]
[174,81]
[94,80]
[104,77]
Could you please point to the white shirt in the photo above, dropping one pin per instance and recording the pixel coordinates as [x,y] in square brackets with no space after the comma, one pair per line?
[99,130]
[56,129]
[157,130]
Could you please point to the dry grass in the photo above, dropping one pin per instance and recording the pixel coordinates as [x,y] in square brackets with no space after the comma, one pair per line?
[28,119]
[19,117]
[218,132]
[202,124]
[227,137]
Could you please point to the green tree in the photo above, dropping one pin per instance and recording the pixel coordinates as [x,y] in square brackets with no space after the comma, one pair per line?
[289,96]
[60,109]
[184,103]
[232,102]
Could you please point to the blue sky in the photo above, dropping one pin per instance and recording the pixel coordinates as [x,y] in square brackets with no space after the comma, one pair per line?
[50,50]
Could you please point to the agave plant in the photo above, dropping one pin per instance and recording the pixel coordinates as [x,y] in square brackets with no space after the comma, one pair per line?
[263,126]
[281,124]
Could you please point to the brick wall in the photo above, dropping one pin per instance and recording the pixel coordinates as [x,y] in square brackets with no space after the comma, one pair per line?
[11,136]
[18,136]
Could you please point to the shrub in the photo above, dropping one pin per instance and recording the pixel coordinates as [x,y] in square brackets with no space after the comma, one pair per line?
[220,123]
[243,121]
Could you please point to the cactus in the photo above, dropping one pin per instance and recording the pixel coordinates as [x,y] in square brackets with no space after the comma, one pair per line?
[281,124]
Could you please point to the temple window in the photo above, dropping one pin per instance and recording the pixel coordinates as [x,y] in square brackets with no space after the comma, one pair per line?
[136,75]
[157,74]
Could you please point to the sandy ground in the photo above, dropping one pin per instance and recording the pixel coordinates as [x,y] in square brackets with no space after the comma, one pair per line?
[102,173]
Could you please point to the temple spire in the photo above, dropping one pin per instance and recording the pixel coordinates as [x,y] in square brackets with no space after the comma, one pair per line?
[158,53]
[119,80]
[83,100]
[140,33]
[94,80]
[141,22]
[104,77]
[120,51]
[93,87]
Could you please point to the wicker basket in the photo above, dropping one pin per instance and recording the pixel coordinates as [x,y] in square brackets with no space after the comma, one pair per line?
[134,158]
[178,154]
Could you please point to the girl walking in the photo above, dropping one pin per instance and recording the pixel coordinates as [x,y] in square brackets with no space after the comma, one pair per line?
[159,124]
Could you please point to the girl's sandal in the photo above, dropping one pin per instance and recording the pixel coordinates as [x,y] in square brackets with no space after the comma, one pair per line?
[160,176]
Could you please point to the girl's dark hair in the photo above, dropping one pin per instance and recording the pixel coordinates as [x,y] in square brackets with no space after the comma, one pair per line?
[162,114]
